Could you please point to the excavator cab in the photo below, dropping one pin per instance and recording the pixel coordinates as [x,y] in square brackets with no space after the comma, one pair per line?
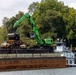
[13,36]
[32,35]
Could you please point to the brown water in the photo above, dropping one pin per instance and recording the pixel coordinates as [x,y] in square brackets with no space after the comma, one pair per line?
[60,71]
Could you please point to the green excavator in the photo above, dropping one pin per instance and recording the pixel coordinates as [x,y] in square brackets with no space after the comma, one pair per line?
[47,41]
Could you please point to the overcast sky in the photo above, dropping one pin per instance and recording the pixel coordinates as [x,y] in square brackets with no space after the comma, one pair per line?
[9,8]
[70,3]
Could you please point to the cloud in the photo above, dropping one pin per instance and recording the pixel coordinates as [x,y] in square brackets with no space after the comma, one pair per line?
[5,4]
[72,5]
[9,8]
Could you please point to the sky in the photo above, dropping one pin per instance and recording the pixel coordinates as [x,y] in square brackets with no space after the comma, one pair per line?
[70,3]
[9,8]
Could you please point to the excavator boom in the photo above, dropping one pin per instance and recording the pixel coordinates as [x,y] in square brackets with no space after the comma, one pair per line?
[47,41]
[32,23]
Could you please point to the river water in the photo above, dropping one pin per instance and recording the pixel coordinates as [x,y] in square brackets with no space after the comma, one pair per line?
[60,71]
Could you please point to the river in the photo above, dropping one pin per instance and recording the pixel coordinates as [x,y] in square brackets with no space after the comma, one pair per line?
[60,71]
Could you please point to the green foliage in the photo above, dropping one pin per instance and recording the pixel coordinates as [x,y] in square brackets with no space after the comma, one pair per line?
[33,6]
[8,23]
[3,34]
[51,17]
[24,29]
[55,18]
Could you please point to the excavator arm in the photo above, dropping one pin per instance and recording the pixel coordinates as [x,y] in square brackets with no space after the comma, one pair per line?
[47,41]
[34,28]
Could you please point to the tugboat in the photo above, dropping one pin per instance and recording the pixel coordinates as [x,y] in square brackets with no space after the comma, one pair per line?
[65,52]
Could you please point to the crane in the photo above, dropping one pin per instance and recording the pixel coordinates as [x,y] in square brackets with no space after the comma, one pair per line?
[47,41]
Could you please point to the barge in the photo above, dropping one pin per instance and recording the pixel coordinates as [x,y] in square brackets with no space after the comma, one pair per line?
[14,56]
[29,63]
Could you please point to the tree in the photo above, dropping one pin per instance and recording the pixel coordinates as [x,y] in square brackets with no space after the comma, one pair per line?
[8,23]
[33,6]
[52,18]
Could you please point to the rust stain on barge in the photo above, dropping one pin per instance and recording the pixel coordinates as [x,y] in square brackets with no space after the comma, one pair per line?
[32,63]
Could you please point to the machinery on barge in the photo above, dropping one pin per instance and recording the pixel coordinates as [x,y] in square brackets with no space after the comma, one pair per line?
[14,45]
[15,54]
[35,33]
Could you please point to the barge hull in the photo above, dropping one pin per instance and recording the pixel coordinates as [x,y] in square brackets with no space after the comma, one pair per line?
[32,63]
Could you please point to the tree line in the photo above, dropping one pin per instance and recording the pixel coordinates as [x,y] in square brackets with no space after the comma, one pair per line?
[52,18]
